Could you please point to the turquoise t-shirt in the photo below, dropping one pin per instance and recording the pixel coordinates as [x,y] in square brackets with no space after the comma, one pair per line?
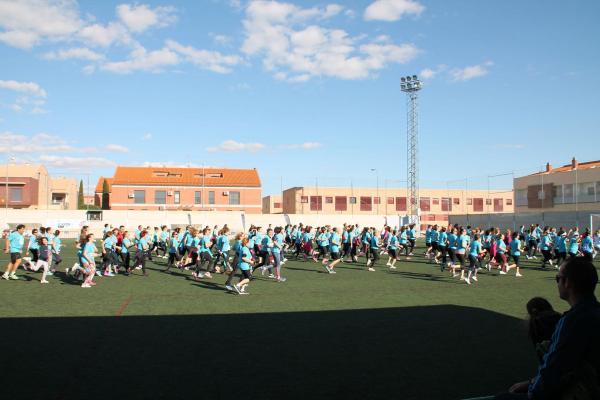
[475,248]
[278,238]
[335,242]
[16,241]
[245,253]
[515,246]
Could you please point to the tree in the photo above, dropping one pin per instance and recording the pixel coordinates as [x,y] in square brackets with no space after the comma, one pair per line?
[80,197]
[105,196]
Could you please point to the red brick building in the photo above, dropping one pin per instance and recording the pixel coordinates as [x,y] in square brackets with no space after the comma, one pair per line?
[172,188]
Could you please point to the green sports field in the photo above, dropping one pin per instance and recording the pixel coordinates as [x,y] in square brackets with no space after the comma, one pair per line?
[413,333]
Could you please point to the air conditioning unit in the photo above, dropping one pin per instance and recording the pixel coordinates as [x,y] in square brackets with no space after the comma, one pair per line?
[130,195]
[170,193]
[225,193]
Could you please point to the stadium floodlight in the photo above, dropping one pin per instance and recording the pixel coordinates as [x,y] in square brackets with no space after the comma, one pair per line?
[411,89]
[403,79]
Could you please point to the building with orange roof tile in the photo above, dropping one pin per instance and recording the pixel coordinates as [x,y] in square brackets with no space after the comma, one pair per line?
[571,187]
[179,188]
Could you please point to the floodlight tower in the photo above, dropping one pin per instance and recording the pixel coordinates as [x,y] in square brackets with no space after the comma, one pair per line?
[411,86]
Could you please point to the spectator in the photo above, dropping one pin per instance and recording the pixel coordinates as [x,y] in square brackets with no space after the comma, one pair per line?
[570,367]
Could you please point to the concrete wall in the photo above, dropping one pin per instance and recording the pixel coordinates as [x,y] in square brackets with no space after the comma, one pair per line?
[70,221]
[513,221]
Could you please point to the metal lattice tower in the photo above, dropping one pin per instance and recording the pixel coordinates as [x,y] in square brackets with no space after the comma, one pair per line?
[411,86]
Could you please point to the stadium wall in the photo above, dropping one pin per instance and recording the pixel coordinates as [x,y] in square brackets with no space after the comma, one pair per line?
[513,221]
[70,221]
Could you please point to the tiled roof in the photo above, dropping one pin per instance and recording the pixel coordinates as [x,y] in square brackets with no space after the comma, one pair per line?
[569,167]
[186,176]
[100,183]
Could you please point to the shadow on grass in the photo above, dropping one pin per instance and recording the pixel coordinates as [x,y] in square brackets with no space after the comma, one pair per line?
[398,353]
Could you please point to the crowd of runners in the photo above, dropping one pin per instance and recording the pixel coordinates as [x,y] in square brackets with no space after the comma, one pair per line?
[462,251]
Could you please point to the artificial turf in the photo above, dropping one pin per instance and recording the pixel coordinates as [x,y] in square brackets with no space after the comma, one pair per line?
[413,333]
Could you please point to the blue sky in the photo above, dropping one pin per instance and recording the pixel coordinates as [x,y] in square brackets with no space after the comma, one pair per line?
[304,91]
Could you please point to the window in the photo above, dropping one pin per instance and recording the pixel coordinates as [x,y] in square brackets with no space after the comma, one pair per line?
[469,201]
[366,203]
[498,205]
[446,204]
[139,196]
[234,198]
[160,197]
[276,205]
[478,204]
[316,203]
[328,200]
[197,197]
[390,200]
[177,197]
[597,191]
[352,200]
[304,199]
[456,200]
[436,202]
[376,200]
[425,204]
[400,203]
[488,202]
[341,203]
[211,197]
[16,195]
[521,196]
[568,193]
[509,202]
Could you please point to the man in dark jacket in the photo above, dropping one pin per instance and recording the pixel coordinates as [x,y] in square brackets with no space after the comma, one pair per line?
[571,365]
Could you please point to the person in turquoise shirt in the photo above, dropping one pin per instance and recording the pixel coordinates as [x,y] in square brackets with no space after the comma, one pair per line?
[412,238]
[335,241]
[501,253]
[475,252]
[245,265]
[205,255]
[266,248]
[374,250]
[125,254]
[393,250]
[574,244]
[277,250]
[545,247]
[33,246]
[174,256]
[14,244]
[442,249]
[587,246]
[142,253]
[223,246]
[516,249]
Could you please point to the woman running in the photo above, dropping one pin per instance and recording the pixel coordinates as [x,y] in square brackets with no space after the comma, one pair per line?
[245,264]
[44,257]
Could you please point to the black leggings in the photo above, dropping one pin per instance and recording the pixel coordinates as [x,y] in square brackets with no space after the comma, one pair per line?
[461,259]
[34,255]
[474,263]
[140,259]
[173,257]
[224,256]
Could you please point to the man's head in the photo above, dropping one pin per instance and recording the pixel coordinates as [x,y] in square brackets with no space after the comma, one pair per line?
[576,277]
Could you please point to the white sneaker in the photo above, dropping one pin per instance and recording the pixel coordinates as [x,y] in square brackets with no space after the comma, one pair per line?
[271,276]
[474,278]
[331,271]
[371,269]
[368,263]
[518,275]
[229,287]
[5,276]
[44,281]
[138,267]
[502,272]
[392,267]
[327,268]
[388,264]
[237,289]
[468,281]
[86,285]
[67,270]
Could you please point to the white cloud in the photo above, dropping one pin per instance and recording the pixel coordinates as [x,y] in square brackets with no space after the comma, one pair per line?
[40,143]
[303,146]
[470,72]
[117,148]
[143,60]
[25,23]
[75,162]
[211,60]
[221,40]
[105,35]
[233,146]
[139,18]
[80,53]
[147,136]
[24,87]
[294,48]
[392,10]
[430,73]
